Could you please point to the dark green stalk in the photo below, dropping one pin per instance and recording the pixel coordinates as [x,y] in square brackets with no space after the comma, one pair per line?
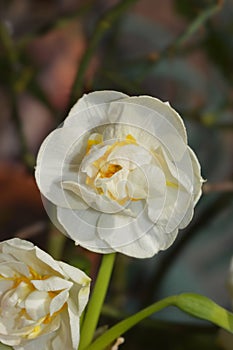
[102,27]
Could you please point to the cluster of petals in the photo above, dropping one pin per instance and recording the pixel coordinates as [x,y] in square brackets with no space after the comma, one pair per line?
[41,299]
[119,174]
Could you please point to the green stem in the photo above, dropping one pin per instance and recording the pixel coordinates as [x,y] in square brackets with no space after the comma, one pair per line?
[13,60]
[176,45]
[103,25]
[95,305]
[113,333]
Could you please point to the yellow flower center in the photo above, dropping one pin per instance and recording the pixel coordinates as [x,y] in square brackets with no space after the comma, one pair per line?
[19,279]
[26,290]
[110,171]
[105,169]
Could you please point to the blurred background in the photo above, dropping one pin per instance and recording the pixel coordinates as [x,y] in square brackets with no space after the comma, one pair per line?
[180,51]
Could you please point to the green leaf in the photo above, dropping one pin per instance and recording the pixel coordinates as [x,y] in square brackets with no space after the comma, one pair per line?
[193,304]
[202,307]
[5,347]
[113,333]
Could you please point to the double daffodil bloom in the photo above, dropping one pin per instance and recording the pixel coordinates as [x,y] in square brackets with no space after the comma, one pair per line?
[120,174]
[41,299]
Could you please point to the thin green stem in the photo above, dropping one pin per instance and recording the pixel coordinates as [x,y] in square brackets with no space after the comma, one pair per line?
[56,243]
[97,299]
[13,59]
[55,23]
[154,58]
[102,26]
[198,22]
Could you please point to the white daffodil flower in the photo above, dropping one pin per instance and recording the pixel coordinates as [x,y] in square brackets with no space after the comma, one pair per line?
[120,174]
[41,298]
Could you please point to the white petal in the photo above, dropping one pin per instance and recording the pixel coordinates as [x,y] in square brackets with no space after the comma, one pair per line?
[37,304]
[149,244]
[52,284]
[17,243]
[87,163]
[81,289]
[164,109]
[58,301]
[81,227]
[96,201]
[75,274]
[142,248]
[42,342]
[32,256]
[92,109]
[48,262]
[51,210]
[160,128]
[137,184]
[188,216]
[164,239]
[121,131]
[198,181]
[116,185]
[181,170]
[176,206]
[5,285]
[130,156]
[7,271]
[9,300]
[74,323]
[149,182]
[62,338]
[119,231]
[157,192]
[14,268]
[11,340]
[58,160]
[74,187]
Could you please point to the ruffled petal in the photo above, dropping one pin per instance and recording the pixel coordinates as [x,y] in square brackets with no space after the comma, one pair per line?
[92,109]
[163,108]
[119,230]
[175,208]
[37,304]
[31,255]
[130,156]
[73,323]
[81,227]
[58,161]
[188,216]
[198,180]
[149,244]
[155,124]
[74,274]
[58,302]
[52,284]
